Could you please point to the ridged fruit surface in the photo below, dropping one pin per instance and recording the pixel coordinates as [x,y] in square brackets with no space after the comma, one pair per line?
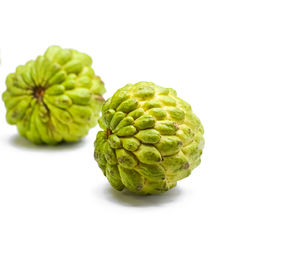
[55,98]
[150,139]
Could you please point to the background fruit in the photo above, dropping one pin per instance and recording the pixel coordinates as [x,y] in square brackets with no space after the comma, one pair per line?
[55,98]
[150,139]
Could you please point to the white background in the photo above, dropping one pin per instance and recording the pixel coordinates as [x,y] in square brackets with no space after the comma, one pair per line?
[237,63]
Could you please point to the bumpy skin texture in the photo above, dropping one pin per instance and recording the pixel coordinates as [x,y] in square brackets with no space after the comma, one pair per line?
[55,98]
[150,139]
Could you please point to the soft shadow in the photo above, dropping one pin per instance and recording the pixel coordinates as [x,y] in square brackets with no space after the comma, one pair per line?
[20,142]
[127,198]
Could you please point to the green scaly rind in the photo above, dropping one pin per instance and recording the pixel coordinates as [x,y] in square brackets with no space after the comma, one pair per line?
[150,139]
[71,99]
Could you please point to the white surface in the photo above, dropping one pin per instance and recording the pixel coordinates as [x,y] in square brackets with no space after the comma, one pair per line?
[237,63]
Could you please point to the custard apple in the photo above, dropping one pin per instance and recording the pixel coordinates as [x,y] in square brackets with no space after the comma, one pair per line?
[55,98]
[150,139]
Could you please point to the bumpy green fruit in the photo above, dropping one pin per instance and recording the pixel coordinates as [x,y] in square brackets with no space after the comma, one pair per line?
[55,98]
[150,139]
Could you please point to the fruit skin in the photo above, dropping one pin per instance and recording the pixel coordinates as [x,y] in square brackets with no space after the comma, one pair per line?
[55,98]
[150,139]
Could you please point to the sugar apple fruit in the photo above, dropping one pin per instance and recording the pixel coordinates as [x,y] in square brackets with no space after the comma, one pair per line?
[150,139]
[55,98]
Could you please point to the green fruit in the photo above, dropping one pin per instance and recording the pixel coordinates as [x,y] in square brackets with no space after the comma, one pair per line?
[150,139]
[55,98]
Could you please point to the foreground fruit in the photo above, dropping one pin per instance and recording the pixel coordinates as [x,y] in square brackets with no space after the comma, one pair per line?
[150,139]
[55,98]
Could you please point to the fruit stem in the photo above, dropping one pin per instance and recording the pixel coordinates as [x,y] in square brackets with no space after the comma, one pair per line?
[108,133]
[39,92]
